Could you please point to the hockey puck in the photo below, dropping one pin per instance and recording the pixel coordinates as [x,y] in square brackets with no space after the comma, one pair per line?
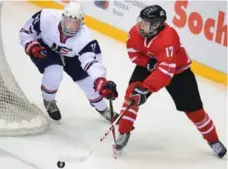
[61,164]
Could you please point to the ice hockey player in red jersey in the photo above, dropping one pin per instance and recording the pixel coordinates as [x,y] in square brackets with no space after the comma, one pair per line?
[161,61]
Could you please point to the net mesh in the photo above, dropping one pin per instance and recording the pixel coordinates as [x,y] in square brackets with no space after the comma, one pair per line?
[17,115]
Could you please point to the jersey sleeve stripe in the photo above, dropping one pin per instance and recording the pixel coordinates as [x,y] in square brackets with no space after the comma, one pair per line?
[98,99]
[165,72]
[92,46]
[134,58]
[131,50]
[88,65]
[171,65]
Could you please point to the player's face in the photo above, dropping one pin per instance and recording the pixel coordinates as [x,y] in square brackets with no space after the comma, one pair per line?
[71,24]
[147,28]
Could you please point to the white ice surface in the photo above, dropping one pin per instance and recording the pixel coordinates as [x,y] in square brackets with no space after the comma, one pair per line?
[163,139]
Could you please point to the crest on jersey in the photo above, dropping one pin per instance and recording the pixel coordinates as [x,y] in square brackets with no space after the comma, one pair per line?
[102,4]
[60,49]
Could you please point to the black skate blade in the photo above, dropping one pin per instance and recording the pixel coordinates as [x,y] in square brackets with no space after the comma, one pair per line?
[107,120]
[52,121]
[55,116]
[222,154]
[120,153]
[58,122]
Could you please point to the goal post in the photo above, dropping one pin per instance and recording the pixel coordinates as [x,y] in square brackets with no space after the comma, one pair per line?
[18,116]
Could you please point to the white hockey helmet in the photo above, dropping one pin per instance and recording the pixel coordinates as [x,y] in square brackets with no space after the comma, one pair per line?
[72,18]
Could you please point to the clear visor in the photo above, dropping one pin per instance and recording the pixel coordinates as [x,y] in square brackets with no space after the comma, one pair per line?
[71,25]
[147,28]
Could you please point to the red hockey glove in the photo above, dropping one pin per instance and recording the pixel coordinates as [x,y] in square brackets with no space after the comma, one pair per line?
[106,88]
[151,64]
[34,49]
[139,95]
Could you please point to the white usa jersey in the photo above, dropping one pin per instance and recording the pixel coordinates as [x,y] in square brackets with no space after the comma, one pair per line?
[45,26]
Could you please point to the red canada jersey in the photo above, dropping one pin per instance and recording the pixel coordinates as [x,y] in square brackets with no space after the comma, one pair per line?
[166,48]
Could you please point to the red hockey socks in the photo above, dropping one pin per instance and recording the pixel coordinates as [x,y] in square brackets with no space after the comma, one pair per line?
[204,125]
[127,121]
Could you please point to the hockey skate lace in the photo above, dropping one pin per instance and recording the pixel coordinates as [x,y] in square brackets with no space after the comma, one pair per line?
[106,114]
[52,107]
[217,148]
[121,139]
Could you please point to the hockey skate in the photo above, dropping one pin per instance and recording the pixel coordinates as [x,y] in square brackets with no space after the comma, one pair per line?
[122,141]
[107,114]
[52,109]
[219,149]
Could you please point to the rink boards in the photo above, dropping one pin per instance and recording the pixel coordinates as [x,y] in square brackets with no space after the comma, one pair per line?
[203,32]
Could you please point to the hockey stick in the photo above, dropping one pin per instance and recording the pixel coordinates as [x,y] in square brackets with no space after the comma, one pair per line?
[114,150]
[94,148]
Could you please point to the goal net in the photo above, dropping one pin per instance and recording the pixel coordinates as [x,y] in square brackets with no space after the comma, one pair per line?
[17,115]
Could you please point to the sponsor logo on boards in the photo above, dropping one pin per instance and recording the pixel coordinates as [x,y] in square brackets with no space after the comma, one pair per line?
[102,4]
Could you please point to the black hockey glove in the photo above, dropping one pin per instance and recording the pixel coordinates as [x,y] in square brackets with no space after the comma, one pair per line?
[139,96]
[151,64]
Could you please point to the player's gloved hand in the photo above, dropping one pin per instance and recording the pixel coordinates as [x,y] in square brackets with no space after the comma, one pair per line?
[138,95]
[151,64]
[106,88]
[34,49]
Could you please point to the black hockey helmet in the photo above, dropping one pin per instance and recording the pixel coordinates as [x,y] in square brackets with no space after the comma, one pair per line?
[151,20]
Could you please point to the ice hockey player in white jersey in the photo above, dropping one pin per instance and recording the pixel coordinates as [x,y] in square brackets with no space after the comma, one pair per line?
[58,41]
